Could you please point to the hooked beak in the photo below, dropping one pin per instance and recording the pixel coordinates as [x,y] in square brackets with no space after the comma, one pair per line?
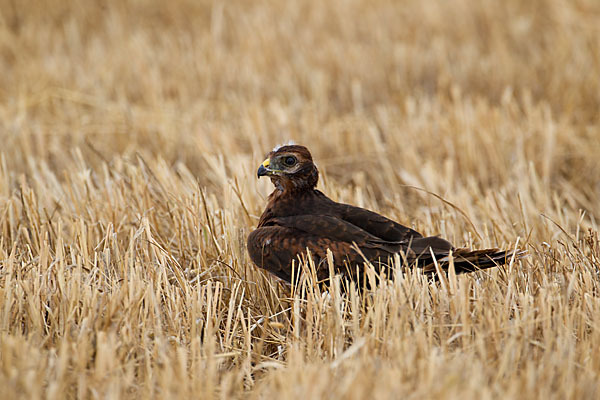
[263,170]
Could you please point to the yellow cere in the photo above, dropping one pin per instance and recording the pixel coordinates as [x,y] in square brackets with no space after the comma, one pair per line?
[266,163]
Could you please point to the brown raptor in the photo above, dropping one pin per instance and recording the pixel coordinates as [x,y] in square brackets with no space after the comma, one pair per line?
[299,217]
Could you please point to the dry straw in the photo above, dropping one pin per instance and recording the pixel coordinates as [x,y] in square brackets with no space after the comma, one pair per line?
[131,132]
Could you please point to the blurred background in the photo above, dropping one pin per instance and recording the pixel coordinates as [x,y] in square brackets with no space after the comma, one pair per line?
[484,84]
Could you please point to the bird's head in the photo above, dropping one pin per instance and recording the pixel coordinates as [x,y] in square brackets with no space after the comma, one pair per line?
[290,167]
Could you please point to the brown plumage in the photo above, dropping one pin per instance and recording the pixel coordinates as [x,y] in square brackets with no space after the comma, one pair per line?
[299,217]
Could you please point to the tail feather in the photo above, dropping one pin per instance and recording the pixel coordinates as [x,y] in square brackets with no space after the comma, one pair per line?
[466,260]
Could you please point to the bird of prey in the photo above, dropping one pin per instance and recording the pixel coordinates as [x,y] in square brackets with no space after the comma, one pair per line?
[299,219]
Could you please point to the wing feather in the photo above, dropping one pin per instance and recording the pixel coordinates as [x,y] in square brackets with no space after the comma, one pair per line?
[377,225]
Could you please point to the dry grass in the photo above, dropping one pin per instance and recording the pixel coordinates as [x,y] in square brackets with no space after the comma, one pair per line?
[131,132]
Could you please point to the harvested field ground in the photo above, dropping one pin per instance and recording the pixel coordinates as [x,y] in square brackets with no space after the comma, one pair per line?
[131,132]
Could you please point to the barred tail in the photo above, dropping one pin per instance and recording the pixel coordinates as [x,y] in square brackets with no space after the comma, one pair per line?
[466,260]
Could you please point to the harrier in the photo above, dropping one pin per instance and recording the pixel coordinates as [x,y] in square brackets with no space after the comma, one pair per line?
[300,218]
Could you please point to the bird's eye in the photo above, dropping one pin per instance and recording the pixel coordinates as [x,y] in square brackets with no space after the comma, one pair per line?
[289,161]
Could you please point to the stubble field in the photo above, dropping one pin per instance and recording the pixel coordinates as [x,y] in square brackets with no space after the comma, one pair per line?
[131,132]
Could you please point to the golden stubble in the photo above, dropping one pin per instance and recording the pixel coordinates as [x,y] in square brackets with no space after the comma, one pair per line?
[131,133]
